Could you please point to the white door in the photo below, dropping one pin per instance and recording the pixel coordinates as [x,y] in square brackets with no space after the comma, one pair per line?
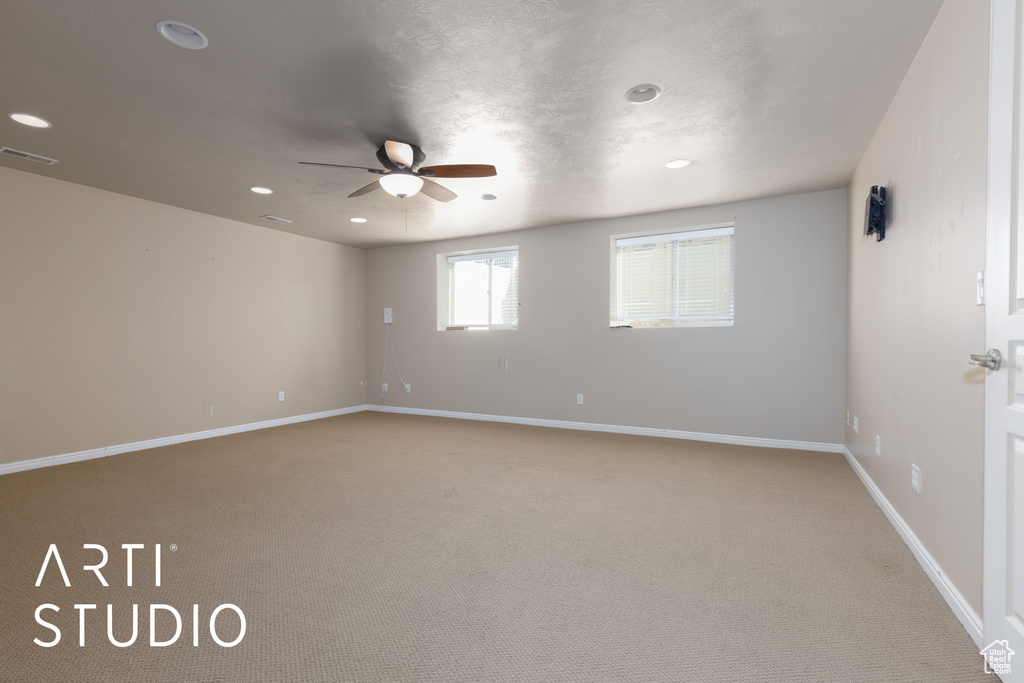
[1004,332]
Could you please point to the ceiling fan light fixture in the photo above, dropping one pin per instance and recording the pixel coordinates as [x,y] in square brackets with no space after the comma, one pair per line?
[641,94]
[401,185]
[29,120]
[182,35]
[678,163]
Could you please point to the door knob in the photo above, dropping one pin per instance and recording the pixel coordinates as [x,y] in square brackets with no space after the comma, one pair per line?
[990,360]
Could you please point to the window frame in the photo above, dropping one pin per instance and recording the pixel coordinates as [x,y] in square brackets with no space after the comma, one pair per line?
[653,237]
[445,291]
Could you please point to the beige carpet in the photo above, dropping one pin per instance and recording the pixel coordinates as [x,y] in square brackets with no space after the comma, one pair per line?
[375,547]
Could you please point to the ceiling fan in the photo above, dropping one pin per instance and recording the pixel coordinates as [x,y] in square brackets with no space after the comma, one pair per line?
[403,176]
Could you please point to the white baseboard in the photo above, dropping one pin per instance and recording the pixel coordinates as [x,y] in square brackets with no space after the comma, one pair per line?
[47,461]
[21,465]
[619,429]
[963,611]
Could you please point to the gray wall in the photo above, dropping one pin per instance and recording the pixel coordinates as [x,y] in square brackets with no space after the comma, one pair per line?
[777,373]
[912,313]
[121,319]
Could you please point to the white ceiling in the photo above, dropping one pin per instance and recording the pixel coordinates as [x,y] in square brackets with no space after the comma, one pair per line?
[768,97]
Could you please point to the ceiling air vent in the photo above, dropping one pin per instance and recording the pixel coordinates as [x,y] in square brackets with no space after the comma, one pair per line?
[25,155]
[275,219]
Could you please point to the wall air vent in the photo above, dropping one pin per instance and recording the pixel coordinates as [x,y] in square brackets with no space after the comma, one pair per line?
[275,219]
[25,155]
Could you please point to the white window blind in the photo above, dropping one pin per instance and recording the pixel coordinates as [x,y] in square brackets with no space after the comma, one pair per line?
[683,278]
[483,289]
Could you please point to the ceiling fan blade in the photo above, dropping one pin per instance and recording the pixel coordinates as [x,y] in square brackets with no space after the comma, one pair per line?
[366,189]
[365,168]
[400,153]
[438,192]
[460,171]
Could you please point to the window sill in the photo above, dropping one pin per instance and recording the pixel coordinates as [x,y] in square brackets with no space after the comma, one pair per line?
[673,325]
[470,328]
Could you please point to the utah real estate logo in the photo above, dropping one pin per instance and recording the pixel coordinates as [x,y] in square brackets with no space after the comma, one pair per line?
[997,657]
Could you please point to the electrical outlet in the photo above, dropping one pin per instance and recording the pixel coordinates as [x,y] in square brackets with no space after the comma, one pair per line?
[389,315]
[280,396]
[915,478]
[878,445]
[579,399]
[856,426]
[385,387]
[408,388]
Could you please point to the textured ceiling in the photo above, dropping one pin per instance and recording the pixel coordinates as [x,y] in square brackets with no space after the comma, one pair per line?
[767,97]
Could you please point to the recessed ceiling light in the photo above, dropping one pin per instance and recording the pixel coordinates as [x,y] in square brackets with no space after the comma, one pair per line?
[262,190]
[30,120]
[642,93]
[358,220]
[182,35]
[678,163]
[489,197]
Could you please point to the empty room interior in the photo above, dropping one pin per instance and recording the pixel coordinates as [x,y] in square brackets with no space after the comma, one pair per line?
[529,341]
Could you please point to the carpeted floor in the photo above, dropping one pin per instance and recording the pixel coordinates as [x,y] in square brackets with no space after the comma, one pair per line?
[377,547]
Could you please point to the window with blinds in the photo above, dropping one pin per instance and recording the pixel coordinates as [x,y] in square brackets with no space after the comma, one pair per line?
[480,290]
[683,278]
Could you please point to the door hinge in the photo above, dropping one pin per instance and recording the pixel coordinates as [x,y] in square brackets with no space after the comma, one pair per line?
[981,287]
